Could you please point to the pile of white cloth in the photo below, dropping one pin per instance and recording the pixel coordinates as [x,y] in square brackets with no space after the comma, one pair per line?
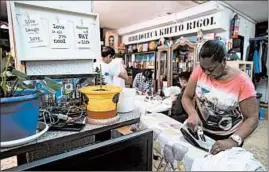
[235,159]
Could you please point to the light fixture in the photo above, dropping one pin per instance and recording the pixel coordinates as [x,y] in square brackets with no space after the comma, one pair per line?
[200,2]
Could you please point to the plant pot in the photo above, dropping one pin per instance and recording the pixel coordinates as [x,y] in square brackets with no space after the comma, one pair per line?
[19,115]
[102,104]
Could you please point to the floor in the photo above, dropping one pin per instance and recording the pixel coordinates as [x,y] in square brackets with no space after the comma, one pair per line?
[257,144]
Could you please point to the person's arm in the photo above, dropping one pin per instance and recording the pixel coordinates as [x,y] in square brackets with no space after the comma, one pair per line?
[123,73]
[250,111]
[149,86]
[135,83]
[187,101]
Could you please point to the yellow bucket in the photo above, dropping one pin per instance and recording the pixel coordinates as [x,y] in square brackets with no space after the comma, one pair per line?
[102,104]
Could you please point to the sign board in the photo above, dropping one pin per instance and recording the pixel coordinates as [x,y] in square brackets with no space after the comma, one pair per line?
[33,31]
[59,37]
[209,22]
[56,24]
[82,32]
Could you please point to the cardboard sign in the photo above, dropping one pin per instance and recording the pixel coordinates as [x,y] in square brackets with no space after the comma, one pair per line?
[59,34]
[82,33]
[33,31]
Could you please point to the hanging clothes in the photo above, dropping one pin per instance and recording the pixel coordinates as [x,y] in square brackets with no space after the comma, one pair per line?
[264,59]
[256,62]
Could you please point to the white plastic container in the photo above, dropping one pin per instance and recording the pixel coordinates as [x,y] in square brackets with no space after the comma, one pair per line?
[127,100]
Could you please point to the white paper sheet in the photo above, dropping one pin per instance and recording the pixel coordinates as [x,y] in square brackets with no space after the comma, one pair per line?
[82,33]
[59,37]
[33,31]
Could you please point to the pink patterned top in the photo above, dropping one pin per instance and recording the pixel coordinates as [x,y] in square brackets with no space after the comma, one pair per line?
[217,101]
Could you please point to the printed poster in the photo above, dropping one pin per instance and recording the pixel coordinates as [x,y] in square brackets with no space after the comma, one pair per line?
[33,31]
[82,33]
[59,34]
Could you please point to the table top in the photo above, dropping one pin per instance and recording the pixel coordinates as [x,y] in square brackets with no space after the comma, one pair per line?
[89,130]
[169,141]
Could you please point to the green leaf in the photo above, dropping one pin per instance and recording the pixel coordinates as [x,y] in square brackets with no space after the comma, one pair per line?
[19,74]
[52,84]
[50,90]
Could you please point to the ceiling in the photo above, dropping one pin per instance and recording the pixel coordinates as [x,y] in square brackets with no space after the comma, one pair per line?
[256,10]
[118,14]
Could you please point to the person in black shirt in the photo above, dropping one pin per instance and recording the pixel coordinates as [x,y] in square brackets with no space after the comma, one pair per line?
[178,112]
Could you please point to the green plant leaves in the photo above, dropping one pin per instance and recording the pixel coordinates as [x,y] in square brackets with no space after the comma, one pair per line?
[52,84]
[19,74]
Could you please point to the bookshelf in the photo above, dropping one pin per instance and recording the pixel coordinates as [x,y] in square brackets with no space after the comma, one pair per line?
[244,66]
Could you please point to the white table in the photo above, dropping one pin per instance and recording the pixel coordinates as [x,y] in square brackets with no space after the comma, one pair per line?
[152,105]
[169,141]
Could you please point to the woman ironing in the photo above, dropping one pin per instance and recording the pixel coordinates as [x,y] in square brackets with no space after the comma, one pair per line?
[226,105]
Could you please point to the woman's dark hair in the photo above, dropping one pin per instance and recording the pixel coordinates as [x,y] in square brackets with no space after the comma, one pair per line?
[184,75]
[148,74]
[213,49]
[107,50]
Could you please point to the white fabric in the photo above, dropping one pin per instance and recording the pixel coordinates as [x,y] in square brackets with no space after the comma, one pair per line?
[171,91]
[152,105]
[235,159]
[109,71]
[116,80]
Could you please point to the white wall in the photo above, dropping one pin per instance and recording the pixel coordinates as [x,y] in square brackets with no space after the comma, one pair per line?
[191,13]
[246,28]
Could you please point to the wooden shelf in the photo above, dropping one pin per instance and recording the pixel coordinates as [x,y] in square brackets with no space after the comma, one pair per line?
[244,66]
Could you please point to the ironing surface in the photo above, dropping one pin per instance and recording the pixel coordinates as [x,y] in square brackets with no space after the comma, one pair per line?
[170,141]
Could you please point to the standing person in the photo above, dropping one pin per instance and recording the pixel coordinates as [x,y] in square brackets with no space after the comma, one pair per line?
[110,70]
[143,82]
[226,105]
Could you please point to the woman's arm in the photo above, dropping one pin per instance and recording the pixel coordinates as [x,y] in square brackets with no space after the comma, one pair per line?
[250,111]
[187,102]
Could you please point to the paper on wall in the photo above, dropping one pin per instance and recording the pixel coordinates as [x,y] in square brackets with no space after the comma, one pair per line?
[82,33]
[59,37]
[33,31]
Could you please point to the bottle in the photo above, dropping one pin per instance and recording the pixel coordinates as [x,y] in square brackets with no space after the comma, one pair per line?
[262,113]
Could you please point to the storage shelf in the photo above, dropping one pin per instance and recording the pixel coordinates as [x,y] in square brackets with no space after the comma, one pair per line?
[245,66]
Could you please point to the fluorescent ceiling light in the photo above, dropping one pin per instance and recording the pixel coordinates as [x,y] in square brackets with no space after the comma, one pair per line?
[200,2]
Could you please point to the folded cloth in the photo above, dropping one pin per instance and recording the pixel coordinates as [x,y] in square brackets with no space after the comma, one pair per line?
[235,159]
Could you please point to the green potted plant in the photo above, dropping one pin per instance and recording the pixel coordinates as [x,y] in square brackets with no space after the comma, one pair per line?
[20,103]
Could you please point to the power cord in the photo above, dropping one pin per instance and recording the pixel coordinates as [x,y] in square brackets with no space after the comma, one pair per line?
[51,118]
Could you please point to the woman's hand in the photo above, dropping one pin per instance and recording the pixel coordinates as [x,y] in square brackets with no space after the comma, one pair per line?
[193,122]
[222,145]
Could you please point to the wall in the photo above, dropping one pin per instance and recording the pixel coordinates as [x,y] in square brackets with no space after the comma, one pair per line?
[191,13]
[246,28]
